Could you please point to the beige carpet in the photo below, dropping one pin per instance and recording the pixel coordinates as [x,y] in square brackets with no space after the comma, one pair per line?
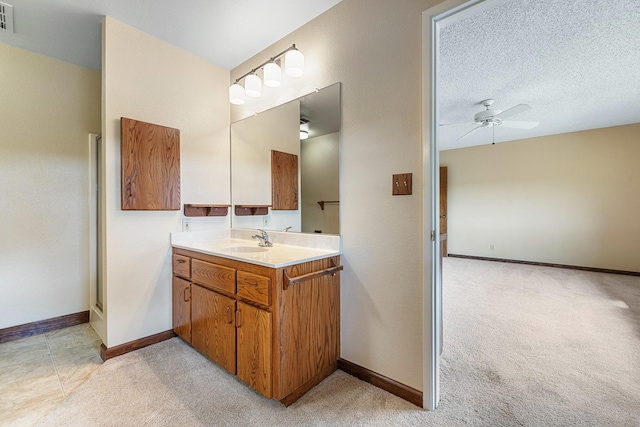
[524,345]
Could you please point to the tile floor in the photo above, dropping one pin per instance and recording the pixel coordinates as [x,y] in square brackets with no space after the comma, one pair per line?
[38,372]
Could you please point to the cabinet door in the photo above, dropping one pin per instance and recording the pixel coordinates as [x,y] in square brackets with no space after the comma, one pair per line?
[150,159]
[213,331]
[181,308]
[254,348]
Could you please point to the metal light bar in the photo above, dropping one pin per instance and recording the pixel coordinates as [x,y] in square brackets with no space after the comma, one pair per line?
[293,47]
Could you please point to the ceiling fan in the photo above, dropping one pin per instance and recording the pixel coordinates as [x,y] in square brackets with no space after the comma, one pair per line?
[494,118]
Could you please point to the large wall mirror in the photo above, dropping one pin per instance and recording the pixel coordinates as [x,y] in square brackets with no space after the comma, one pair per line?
[288,159]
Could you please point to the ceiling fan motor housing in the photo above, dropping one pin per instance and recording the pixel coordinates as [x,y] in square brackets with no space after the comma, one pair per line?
[487,116]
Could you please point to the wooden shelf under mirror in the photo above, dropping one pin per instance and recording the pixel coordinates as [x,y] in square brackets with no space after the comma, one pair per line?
[206,210]
[246,210]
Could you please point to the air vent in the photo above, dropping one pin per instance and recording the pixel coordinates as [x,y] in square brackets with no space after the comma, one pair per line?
[304,120]
[6,17]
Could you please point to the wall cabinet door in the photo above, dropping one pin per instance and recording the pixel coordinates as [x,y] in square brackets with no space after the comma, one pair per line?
[182,308]
[213,331]
[254,348]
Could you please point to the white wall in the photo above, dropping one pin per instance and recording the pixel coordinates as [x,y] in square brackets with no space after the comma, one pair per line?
[320,180]
[147,79]
[48,109]
[568,199]
[374,48]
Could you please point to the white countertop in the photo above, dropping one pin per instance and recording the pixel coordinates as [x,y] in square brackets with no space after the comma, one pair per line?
[279,255]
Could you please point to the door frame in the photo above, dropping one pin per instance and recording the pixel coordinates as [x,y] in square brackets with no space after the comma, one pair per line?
[433,19]
[96,313]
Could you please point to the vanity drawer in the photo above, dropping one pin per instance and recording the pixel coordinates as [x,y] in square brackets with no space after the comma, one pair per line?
[182,266]
[213,276]
[254,287]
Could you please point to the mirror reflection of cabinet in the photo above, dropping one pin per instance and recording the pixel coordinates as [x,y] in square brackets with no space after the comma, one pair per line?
[284,181]
[255,180]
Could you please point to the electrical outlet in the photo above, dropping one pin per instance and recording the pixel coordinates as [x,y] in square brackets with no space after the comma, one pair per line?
[491,247]
[266,221]
[186,224]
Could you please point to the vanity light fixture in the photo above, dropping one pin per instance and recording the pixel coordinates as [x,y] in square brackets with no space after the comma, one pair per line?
[272,73]
[253,85]
[294,63]
[236,94]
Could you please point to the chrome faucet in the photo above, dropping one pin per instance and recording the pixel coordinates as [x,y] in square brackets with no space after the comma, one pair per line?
[264,239]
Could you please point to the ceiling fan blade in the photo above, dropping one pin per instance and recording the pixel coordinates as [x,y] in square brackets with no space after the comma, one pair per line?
[520,108]
[458,124]
[518,125]
[470,132]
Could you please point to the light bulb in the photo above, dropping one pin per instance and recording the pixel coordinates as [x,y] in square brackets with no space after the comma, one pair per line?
[272,75]
[304,134]
[253,85]
[236,94]
[294,63]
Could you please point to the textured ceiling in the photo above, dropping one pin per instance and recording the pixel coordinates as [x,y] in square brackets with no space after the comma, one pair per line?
[224,32]
[576,62]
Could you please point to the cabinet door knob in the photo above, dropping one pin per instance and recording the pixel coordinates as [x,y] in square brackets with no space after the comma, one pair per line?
[238,318]
[229,315]
[186,297]
[181,261]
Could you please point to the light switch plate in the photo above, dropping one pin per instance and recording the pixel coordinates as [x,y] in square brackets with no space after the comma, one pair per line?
[402,184]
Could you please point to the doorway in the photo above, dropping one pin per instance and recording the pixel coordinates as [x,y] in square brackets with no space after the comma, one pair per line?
[432,20]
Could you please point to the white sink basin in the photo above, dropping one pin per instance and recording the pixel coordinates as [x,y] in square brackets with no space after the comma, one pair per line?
[244,249]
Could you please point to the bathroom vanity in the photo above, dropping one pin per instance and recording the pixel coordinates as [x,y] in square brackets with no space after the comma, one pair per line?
[268,315]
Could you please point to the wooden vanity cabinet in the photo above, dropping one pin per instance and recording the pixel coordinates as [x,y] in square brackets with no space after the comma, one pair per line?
[181,308]
[213,330]
[281,340]
[254,348]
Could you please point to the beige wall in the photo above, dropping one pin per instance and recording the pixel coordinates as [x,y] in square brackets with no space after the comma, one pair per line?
[48,109]
[567,199]
[374,48]
[320,180]
[150,80]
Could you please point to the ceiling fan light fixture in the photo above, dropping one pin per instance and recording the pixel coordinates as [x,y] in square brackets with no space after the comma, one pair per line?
[494,118]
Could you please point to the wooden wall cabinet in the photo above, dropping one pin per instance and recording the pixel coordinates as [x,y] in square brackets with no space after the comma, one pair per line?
[279,337]
[150,156]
